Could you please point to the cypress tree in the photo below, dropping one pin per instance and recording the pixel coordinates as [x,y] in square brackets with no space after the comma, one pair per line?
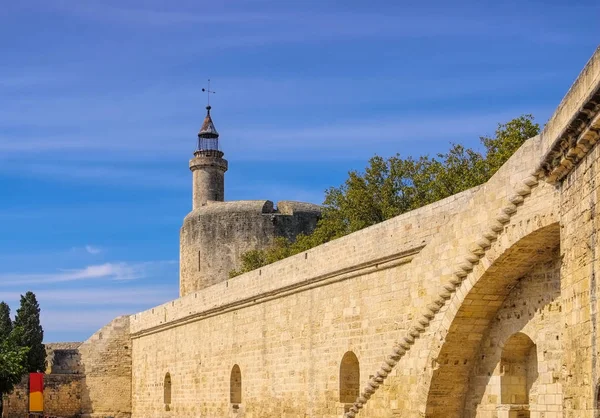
[5,321]
[31,334]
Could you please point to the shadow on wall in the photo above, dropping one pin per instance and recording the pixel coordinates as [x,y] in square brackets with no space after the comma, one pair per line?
[506,376]
[459,362]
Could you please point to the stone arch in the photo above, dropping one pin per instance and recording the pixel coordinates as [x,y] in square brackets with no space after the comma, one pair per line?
[349,378]
[518,369]
[235,385]
[471,310]
[167,389]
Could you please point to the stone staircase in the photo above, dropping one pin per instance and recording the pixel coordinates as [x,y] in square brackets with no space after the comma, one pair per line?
[476,251]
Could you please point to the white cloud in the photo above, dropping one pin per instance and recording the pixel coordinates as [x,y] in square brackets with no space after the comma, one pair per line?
[65,299]
[143,177]
[93,250]
[106,271]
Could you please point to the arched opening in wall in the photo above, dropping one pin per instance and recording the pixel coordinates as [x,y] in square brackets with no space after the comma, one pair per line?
[235,385]
[349,378]
[167,392]
[453,363]
[518,370]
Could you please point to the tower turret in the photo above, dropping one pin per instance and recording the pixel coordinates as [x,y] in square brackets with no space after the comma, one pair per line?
[208,165]
[215,234]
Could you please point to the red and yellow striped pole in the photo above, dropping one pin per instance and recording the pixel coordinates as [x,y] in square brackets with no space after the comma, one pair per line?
[36,392]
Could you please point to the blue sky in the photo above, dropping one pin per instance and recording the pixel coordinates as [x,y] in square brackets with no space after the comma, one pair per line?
[100,102]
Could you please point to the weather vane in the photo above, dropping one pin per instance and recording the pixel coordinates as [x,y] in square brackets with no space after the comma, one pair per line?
[208,92]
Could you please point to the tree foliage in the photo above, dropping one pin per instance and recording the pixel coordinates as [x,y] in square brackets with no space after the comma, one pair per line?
[390,187]
[31,332]
[13,361]
[12,357]
[17,340]
[5,321]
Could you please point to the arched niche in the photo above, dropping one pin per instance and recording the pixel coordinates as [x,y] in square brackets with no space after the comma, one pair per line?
[167,391]
[518,369]
[235,385]
[349,378]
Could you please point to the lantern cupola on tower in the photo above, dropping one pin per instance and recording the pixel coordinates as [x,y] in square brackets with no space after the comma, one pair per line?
[208,137]
[208,165]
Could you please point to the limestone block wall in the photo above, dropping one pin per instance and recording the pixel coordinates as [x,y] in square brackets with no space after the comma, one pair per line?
[580,219]
[106,364]
[571,162]
[287,326]
[288,349]
[213,237]
[90,379]
[16,404]
[62,397]
[63,358]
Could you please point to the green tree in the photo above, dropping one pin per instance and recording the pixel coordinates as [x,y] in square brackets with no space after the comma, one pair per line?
[31,333]
[254,259]
[509,137]
[5,321]
[390,187]
[13,360]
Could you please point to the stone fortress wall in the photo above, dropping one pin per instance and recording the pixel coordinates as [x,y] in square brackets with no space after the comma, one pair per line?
[481,305]
[213,237]
[62,383]
[84,380]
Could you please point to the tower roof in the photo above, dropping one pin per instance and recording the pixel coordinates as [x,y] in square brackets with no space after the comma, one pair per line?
[208,129]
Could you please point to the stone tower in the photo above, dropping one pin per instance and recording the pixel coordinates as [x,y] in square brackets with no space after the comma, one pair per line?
[208,166]
[215,234]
